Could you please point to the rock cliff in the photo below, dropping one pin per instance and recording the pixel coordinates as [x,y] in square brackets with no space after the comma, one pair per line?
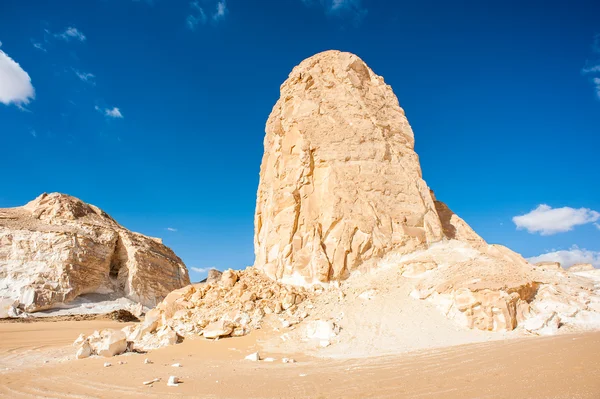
[57,247]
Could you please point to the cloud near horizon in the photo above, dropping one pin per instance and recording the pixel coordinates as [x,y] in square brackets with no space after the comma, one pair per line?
[569,257]
[547,220]
[201,269]
[171,229]
[15,83]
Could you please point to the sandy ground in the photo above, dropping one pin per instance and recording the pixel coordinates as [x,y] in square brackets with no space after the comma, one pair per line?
[566,366]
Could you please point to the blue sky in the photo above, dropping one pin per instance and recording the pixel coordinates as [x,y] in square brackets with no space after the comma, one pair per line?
[155,110]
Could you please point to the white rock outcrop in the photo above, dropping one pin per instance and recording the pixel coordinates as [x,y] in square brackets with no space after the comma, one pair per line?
[57,247]
[340,182]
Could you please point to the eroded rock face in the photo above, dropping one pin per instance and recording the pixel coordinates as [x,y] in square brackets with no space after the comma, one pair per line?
[57,247]
[340,183]
[341,189]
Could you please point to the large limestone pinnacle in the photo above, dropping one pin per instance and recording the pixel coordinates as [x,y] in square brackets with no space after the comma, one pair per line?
[340,182]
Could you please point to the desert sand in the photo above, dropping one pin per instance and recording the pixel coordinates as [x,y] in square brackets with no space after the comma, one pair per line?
[36,361]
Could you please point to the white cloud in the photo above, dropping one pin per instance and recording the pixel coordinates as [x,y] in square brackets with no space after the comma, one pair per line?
[597,225]
[201,269]
[591,69]
[0,44]
[33,133]
[71,33]
[111,113]
[15,83]
[199,15]
[39,46]
[221,11]
[352,9]
[171,229]
[569,258]
[597,84]
[547,220]
[85,76]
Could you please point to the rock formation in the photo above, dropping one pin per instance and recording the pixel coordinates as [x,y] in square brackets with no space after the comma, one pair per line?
[57,247]
[340,182]
[341,191]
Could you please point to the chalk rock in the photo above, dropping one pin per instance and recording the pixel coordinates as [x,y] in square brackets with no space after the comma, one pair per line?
[56,248]
[320,329]
[340,182]
[113,342]
[84,351]
[218,329]
[173,381]
[581,267]
[213,276]
[254,357]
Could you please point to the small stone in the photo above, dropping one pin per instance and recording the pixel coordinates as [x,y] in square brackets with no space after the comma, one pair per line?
[122,362]
[151,381]
[288,360]
[107,364]
[269,359]
[176,365]
[173,381]
[147,361]
[253,357]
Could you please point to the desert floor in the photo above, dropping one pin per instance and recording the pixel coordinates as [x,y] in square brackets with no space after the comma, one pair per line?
[36,361]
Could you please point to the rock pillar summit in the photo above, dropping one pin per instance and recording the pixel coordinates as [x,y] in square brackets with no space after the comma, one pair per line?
[340,182]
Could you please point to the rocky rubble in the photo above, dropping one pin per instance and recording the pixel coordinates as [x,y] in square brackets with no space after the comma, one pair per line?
[57,248]
[233,306]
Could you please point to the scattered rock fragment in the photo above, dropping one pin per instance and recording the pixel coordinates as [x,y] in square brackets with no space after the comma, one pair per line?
[151,381]
[107,364]
[173,381]
[253,357]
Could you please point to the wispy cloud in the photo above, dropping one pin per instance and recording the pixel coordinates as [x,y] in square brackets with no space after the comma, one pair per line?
[221,11]
[593,68]
[597,86]
[201,269]
[569,257]
[15,83]
[547,220]
[172,229]
[111,113]
[597,225]
[33,133]
[199,14]
[71,33]
[345,9]
[85,76]
[38,46]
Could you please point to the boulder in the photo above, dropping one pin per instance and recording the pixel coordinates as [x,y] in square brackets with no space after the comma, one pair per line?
[218,329]
[114,342]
